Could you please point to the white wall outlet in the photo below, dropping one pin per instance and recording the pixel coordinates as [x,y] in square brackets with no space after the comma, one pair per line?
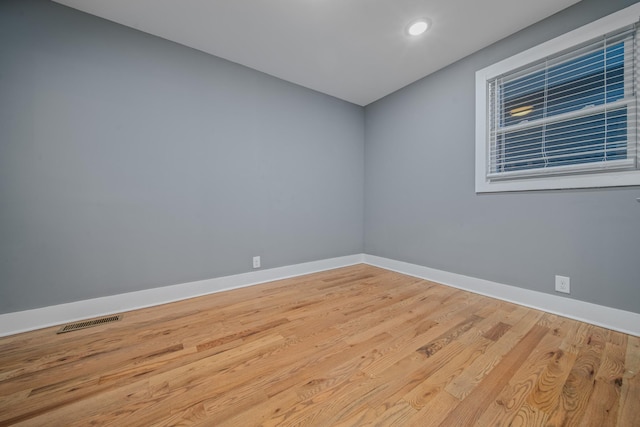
[256,262]
[563,284]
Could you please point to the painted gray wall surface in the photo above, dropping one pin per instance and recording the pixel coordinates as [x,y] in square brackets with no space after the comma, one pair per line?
[129,162]
[421,208]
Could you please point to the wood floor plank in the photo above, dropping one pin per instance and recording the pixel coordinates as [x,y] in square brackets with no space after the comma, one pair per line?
[578,386]
[548,390]
[434,414]
[421,395]
[470,409]
[474,374]
[352,346]
[394,415]
[504,409]
[629,412]
[602,408]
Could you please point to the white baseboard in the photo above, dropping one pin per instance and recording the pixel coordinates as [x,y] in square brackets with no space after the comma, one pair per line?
[28,320]
[607,317]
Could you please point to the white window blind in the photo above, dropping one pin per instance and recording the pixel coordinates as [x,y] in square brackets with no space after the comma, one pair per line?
[570,113]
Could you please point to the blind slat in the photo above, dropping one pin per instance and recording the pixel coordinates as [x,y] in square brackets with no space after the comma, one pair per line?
[611,106]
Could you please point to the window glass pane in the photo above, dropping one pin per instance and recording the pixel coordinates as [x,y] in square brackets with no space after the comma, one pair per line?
[588,80]
[523,99]
[593,138]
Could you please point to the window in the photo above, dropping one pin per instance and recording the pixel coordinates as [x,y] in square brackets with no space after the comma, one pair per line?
[563,114]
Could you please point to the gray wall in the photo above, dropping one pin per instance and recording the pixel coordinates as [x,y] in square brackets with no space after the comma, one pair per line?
[129,162]
[421,209]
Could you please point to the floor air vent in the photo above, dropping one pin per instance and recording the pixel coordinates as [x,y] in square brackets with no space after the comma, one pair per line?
[89,323]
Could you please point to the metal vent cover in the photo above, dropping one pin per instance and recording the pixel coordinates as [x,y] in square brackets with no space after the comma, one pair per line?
[89,323]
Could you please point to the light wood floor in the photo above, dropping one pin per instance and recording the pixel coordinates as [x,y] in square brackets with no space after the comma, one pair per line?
[352,346]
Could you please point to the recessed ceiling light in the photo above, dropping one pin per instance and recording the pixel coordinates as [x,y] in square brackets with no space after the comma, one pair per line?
[418,27]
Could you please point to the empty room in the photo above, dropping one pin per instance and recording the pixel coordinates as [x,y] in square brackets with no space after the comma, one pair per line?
[319,213]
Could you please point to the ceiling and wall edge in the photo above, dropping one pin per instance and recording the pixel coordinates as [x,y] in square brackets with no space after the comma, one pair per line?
[358,51]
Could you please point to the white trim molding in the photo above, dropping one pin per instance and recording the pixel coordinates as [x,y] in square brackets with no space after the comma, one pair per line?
[28,320]
[607,317]
[38,318]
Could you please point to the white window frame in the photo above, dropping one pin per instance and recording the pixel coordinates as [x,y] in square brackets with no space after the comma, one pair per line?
[610,23]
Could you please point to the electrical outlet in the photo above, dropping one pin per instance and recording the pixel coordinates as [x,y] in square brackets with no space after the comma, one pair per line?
[563,284]
[256,262]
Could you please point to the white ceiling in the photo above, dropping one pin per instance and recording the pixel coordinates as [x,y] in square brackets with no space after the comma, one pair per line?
[356,50]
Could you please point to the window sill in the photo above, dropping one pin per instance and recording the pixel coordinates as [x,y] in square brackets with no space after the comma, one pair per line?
[595,180]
